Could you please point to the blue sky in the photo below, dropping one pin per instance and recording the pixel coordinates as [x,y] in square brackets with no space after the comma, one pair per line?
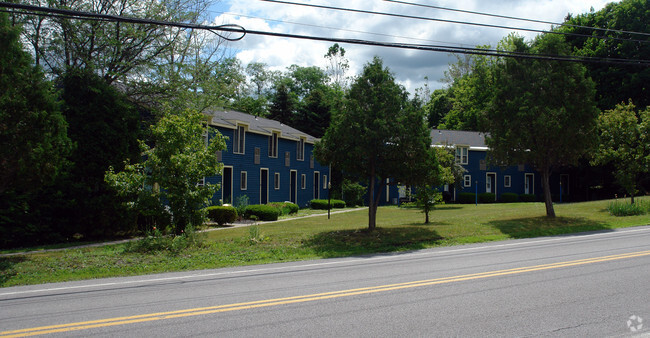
[410,67]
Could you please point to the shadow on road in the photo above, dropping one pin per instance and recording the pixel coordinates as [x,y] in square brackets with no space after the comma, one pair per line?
[545,226]
[362,241]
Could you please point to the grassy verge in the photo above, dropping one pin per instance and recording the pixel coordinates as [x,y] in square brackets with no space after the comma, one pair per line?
[317,237]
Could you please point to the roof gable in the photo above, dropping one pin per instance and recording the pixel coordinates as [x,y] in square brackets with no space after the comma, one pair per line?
[473,139]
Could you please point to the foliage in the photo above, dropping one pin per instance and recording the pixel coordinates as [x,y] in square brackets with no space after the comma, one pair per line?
[426,199]
[222,214]
[439,105]
[625,142]
[487,197]
[543,112]
[622,208]
[353,193]
[337,65]
[509,197]
[263,212]
[325,204]
[172,169]
[614,83]
[467,198]
[155,241]
[451,171]
[528,198]
[286,208]
[241,203]
[377,135]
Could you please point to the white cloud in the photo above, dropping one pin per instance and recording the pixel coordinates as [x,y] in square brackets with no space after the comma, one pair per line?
[410,67]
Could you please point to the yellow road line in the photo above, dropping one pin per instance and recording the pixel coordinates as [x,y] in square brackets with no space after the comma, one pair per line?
[304,298]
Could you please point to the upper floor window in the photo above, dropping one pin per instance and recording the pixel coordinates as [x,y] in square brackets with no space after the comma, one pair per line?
[301,150]
[239,141]
[273,144]
[461,155]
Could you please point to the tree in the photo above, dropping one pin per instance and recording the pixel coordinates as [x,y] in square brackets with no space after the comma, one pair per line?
[377,135]
[625,142]
[283,104]
[337,65]
[439,105]
[33,139]
[543,112]
[174,169]
[615,83]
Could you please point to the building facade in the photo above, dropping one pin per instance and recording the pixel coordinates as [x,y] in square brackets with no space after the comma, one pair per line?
[266,160]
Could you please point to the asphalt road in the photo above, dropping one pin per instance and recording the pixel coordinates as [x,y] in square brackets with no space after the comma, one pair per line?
[595,284]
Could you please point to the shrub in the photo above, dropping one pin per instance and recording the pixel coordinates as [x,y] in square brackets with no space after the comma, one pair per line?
[352,193]
[467,198]
[222,215]
[509,197]
[322,204]
[528,198]
[241,204]
[286,208]
[487,197]
[621,208]
[263,212]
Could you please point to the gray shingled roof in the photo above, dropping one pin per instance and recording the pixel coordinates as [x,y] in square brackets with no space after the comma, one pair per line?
[260,125]
[457,137]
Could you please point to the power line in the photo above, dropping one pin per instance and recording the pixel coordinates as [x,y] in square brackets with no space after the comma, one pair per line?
[516,18]
[36,10]
[404,16]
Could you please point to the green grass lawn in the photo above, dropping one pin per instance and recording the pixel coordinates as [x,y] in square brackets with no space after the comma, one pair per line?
[317,237]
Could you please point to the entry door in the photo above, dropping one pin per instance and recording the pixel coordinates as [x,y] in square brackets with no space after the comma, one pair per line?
[293,185]
[316,185]
[490,183]
[264,186]
[529,187]
[226,185]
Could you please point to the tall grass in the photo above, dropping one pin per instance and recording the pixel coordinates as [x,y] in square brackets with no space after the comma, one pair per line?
[625,208]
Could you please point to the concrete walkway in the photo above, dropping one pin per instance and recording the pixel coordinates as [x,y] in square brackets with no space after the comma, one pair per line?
[234,225]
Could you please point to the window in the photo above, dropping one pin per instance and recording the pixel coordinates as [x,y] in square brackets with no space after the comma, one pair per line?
[287,158]
[467,181]
[244,180]
[201,182]
[303,181]
[239,141]
[257,155]
[324,181]
[273,144]
[461,155]
[506,181]
[311,161]
[300,153]
[276,181]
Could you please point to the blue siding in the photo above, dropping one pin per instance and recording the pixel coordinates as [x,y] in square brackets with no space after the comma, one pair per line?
[246,162]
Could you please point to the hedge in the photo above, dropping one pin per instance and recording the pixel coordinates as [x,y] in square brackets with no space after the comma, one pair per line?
[467,197]
[286,208]
[509,197]
[322,204]
[263,212]
[528,198]
[222,215]
[487,197]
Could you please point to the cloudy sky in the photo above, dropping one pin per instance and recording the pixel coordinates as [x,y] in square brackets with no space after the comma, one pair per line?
[410,67]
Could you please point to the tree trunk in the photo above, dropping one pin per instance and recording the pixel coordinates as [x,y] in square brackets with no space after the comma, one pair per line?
[546,174]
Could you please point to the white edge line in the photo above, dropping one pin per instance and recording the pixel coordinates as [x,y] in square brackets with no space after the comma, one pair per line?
[337,262]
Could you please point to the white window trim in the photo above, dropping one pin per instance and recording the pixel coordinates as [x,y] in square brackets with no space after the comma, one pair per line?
[236,140]
[300,153]
[303,181]
[507,181]
[466,179]
[267,183]
[494,184]
[531,190]
[243,180]
[462,158]
[276,181]
[232,171]
[324,181]
[274,141]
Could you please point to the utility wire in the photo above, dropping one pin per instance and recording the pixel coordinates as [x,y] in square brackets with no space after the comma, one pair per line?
[241,30]
[404,16]
[516,18]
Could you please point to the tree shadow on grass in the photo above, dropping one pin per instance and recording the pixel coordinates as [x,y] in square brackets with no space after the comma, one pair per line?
[546,226]
[6,268]
[362,241]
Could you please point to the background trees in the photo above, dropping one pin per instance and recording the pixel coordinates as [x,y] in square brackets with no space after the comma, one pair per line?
[378,135]
[543,112]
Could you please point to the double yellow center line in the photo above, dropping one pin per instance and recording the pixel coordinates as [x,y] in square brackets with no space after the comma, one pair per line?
[305,298]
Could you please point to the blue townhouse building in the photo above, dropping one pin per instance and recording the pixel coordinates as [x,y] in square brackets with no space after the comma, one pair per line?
[481,177]
[266,160]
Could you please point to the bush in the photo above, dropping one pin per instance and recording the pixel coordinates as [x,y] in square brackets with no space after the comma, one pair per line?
[487,197]
[528,198]
[467,198]
[263,212]
[222,215]
[509,197]
[286,208]
[352,193]
[322,204]
[621,208]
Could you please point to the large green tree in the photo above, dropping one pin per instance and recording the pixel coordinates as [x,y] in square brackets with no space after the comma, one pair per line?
[377,135]
[625,142]
[543,112]
[615,83]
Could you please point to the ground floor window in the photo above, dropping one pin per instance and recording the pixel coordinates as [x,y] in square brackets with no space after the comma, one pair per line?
[506,181]
[276,181]
[467,181]
[244,180]
[303,181]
